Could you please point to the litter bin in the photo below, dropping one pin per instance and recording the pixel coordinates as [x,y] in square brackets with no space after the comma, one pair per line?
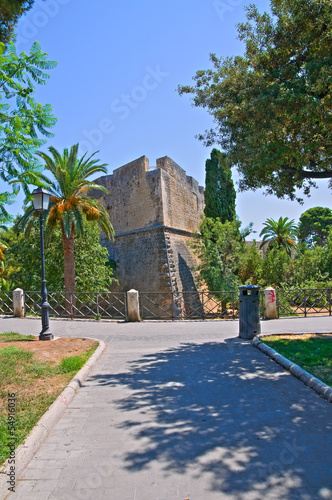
[249,311]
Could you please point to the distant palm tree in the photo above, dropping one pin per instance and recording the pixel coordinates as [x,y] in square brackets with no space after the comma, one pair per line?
[281,233]
[69,203]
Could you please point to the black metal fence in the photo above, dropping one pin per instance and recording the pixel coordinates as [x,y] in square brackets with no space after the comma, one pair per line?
[195,305]
[6,303]
[189,305]
[96,306]
[304,302]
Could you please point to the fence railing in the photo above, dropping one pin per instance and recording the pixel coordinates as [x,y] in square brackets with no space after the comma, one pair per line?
[194,305]
[106,305]
[304,302]
[189,305]
[6,303]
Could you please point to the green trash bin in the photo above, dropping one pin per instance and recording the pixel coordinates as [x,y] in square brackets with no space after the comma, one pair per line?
[250,325]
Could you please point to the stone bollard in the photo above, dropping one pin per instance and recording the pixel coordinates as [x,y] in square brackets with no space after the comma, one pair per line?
[18,303]
[133,306]
[270,303]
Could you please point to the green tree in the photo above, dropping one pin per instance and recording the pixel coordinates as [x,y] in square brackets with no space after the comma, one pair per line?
[10,12]
[272,106]
[328,254]
[280,233]
[93,274]
[219,249]
[219,194]
[3,276]
[315,225]
[22,118]
[251,262]
[70,201]
[274,267]
[308,270]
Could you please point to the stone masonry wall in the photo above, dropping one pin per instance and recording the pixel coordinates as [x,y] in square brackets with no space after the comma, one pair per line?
[135,199]
[183,198]
[154,214]
[142,261]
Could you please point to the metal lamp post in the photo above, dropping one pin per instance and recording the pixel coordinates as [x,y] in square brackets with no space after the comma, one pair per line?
[41,199]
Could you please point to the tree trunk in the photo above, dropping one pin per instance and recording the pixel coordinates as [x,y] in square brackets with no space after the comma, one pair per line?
[69,270]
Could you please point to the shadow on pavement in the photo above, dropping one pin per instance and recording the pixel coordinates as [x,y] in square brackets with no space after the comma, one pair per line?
[225,412]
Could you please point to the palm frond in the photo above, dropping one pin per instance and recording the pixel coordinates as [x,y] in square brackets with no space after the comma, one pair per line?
[23,221]
[79,222]
[67,219]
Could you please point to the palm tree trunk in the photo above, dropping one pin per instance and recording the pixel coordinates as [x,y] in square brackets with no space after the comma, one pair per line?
[69,270]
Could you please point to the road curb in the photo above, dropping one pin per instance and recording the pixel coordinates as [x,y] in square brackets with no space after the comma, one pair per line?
[35,438]
[307,378]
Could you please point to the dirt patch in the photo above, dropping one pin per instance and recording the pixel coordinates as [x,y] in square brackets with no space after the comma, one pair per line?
[53,350]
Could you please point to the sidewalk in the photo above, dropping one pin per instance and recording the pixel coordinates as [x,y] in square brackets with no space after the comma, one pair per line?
[184,410]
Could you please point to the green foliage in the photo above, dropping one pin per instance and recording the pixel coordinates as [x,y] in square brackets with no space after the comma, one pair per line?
[70,204]
[272,106]
[309,270]
[69,190]
[92,270]
[315,225]
[22,119]
[274,267]
[328,255]
[227,261]
[10,12]
[250,271]
[219,250]
[69,186]
[281,233]
[219,194]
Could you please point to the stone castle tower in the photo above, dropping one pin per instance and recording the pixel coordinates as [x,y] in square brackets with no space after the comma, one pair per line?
[155,214]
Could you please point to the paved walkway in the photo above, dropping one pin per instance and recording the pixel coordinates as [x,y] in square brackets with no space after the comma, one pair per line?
[184,410]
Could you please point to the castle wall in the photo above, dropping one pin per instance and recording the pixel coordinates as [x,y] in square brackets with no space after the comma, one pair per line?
[141,261]
[183,198]
[183,260]
[154,214]
[135,199]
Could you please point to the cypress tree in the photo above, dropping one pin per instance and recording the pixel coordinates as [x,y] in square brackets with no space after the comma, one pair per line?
[219,192]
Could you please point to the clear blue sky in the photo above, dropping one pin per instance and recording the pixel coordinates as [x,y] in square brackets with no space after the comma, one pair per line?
[114,89]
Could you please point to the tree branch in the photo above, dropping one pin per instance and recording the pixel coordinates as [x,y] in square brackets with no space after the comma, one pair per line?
[307,174]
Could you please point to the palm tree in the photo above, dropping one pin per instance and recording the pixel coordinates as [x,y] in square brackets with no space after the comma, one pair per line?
[281,233]
[70,202]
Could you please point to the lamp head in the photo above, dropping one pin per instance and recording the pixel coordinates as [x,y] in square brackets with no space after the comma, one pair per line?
[41,199]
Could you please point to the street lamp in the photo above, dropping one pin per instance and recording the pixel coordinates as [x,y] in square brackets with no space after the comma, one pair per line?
[41,199]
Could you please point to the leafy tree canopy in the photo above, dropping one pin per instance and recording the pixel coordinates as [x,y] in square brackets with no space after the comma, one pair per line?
[10,12]
[315,225]
[219,194]
[272,106]
[93,274]
[22,120]
[219,249]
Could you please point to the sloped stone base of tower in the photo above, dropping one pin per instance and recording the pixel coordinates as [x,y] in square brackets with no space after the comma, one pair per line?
[154,260]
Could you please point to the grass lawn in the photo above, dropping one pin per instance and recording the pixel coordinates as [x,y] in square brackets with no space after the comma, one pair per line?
[32,375]
[312,352]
